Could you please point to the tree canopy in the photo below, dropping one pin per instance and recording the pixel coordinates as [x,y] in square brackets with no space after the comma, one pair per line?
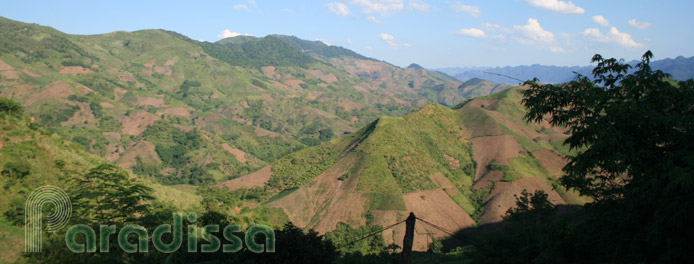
[635,142]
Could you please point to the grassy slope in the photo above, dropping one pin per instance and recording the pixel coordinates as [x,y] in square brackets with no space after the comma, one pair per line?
[394,157]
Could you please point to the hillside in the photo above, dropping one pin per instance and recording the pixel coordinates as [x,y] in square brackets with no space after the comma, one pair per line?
[136,98]
[478,87]
[454,167]
[31,156]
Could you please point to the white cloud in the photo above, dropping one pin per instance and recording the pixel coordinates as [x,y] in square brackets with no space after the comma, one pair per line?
[339,9]
[639,25]
[252,2]
[491,27]
[373,19]
[241,7]
[369,47]
[228,34]
[390,40]
[613,36]
[471,32]
[557,6]
[473,11]
[601,20]
[349,41]
[418,5]
[532,34]
[382,7]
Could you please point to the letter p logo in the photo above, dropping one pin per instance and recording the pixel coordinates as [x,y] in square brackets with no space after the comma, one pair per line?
[62,209]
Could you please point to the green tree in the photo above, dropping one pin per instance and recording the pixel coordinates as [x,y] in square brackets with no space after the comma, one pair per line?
[11,107]
[635,142]
[107,194]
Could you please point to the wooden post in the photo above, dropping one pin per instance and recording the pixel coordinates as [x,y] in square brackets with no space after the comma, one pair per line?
[409,239]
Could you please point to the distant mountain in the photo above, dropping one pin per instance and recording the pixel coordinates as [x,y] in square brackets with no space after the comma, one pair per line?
[681,68]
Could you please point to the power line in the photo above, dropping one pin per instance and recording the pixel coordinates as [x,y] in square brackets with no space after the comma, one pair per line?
[461,239]
[374,233]
[502,75]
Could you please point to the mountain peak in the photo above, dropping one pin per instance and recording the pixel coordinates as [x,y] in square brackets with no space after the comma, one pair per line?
[415,66]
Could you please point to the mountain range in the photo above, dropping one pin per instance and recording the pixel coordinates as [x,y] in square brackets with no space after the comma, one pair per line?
[681,68]
[273,129]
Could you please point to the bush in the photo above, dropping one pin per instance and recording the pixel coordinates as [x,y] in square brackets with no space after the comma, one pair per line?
[10,107]
[16,169]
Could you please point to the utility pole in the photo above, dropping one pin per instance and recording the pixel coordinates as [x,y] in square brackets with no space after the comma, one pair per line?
[409,239]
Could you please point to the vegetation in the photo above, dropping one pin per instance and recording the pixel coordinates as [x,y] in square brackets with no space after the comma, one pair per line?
[635,132]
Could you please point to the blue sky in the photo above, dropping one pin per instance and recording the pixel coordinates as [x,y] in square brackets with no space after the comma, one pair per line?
[430,33]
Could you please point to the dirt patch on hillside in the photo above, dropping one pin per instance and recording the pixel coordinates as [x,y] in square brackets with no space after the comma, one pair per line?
[441,180]
[57,89]
[151,63]
[293,83]
[127,78]
[176,111]
[143,149]
[118,93]
[261,132]
[169,63]
[438,208]
[267,97]
[280,86]
[329,78]
[5,67]
[502,197]
[30,74]
[163,70]
[9,75]
[452,162]
[146,72]
[137,123]
[74,70]
[238,154]
[106,105]
[348,105]
[434,206]
[270,72]
[313,95]
[551,160]
[82,116]
[255,179]
[327,200]
[497,148]
[150,101]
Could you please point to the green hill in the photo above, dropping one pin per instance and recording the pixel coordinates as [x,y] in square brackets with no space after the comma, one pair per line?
[252,100]
[473,159]
[478,87]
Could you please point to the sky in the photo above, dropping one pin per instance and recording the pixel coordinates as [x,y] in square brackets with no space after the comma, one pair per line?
[434,34]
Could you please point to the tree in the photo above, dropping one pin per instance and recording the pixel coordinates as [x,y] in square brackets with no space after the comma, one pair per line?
[108,195]
[635,142]
[11,107]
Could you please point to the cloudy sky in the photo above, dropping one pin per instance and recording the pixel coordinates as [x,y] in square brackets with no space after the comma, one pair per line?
[430,33]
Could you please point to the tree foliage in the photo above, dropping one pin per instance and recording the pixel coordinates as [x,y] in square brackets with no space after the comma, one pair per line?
[635,136]
[112,196]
